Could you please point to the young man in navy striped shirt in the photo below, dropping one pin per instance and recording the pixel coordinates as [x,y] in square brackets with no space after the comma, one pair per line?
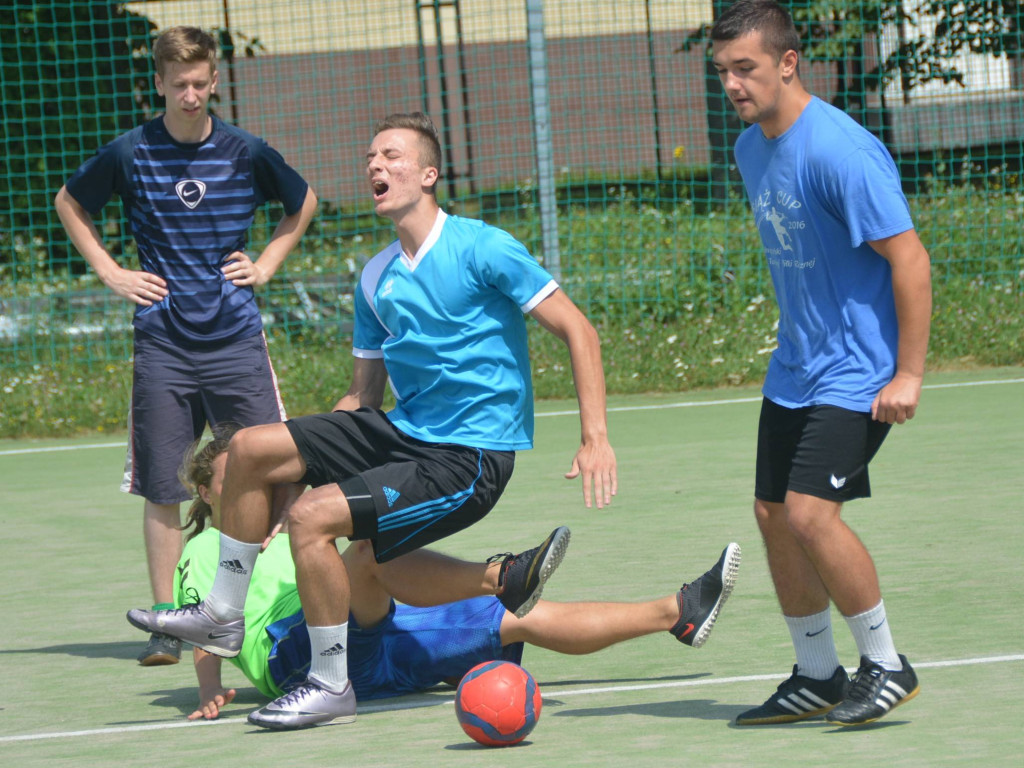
[190,185]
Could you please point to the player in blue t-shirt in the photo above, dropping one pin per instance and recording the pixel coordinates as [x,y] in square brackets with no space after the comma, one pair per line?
[853,284]
[189,185]
[439,313]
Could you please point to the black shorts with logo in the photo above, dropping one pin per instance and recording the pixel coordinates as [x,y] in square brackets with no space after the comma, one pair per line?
[404,493]
[820,450]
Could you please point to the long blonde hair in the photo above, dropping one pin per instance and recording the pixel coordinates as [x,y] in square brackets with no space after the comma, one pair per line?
[197,470]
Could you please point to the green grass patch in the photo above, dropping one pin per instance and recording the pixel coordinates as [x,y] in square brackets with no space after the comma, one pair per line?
[680,295]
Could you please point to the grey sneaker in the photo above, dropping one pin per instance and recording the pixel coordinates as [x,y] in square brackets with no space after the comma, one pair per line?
[700,601]
[305,706]
[194,625]
[522,577]
[161,650]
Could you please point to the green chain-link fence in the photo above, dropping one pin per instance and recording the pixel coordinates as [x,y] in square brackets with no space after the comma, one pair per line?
[596,132]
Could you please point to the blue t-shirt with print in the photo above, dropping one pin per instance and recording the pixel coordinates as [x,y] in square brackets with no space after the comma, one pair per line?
[819,193]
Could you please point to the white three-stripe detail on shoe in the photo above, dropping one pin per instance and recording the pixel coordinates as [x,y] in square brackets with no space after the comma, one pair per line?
[799,705]
[887,699]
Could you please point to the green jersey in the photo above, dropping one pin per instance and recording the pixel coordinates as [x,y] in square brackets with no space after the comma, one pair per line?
[272,596]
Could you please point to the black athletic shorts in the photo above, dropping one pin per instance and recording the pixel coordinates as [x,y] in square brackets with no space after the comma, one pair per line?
[820,450]
[404,493]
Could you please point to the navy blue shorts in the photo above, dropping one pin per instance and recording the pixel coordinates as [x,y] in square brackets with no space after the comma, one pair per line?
[820,450]
[404,493]
[176,392]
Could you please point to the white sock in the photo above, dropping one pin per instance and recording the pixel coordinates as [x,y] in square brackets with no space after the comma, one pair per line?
[874,640]
[815,646]
[226,601]
[329,665]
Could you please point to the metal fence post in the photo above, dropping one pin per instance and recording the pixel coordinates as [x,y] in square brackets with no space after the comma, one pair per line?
[542,136]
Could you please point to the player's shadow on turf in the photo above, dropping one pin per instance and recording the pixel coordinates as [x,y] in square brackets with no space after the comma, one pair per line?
[472,746]
[549,684]
[693,709]
[124,650]
[833,728]
[184,700]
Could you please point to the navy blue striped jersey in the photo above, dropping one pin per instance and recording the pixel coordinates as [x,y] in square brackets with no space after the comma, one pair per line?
[188,207]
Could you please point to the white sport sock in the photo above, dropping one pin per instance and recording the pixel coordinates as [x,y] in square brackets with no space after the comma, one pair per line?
[815,646]
[226,601]
[329,665]
[874,640]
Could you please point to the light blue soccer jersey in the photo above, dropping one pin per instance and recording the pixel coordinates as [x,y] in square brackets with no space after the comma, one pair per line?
[449,324]
[819,192]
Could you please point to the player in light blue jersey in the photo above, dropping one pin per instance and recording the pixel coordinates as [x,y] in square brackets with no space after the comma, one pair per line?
[441,314]
[853,283]
[397,648]
[189,185]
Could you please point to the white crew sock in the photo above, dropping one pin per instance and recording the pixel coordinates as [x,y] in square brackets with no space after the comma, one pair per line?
[874,640]
[226,601]
[329,665]
[815,646]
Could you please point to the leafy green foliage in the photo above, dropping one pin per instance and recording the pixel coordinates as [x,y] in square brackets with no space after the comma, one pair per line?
[73,76]
[836,31]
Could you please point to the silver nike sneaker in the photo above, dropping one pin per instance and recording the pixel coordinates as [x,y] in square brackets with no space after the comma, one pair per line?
[307,705]
[194,625]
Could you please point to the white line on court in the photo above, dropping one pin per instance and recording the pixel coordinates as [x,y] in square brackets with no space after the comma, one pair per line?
[54,448]
[437,701]
[620,409]
[698,404]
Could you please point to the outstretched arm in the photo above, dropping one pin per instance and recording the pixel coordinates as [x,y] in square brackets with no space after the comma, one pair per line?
[912,291]
[212,694]
[595,459]
[143,288]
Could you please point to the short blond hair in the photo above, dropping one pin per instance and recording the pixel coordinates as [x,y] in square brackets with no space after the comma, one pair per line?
[184,45]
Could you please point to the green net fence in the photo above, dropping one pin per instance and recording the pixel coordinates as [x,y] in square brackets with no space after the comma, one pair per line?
[596,132]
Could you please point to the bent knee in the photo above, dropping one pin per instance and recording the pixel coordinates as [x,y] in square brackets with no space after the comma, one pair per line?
[808,522]
[243,450]
[317,514]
